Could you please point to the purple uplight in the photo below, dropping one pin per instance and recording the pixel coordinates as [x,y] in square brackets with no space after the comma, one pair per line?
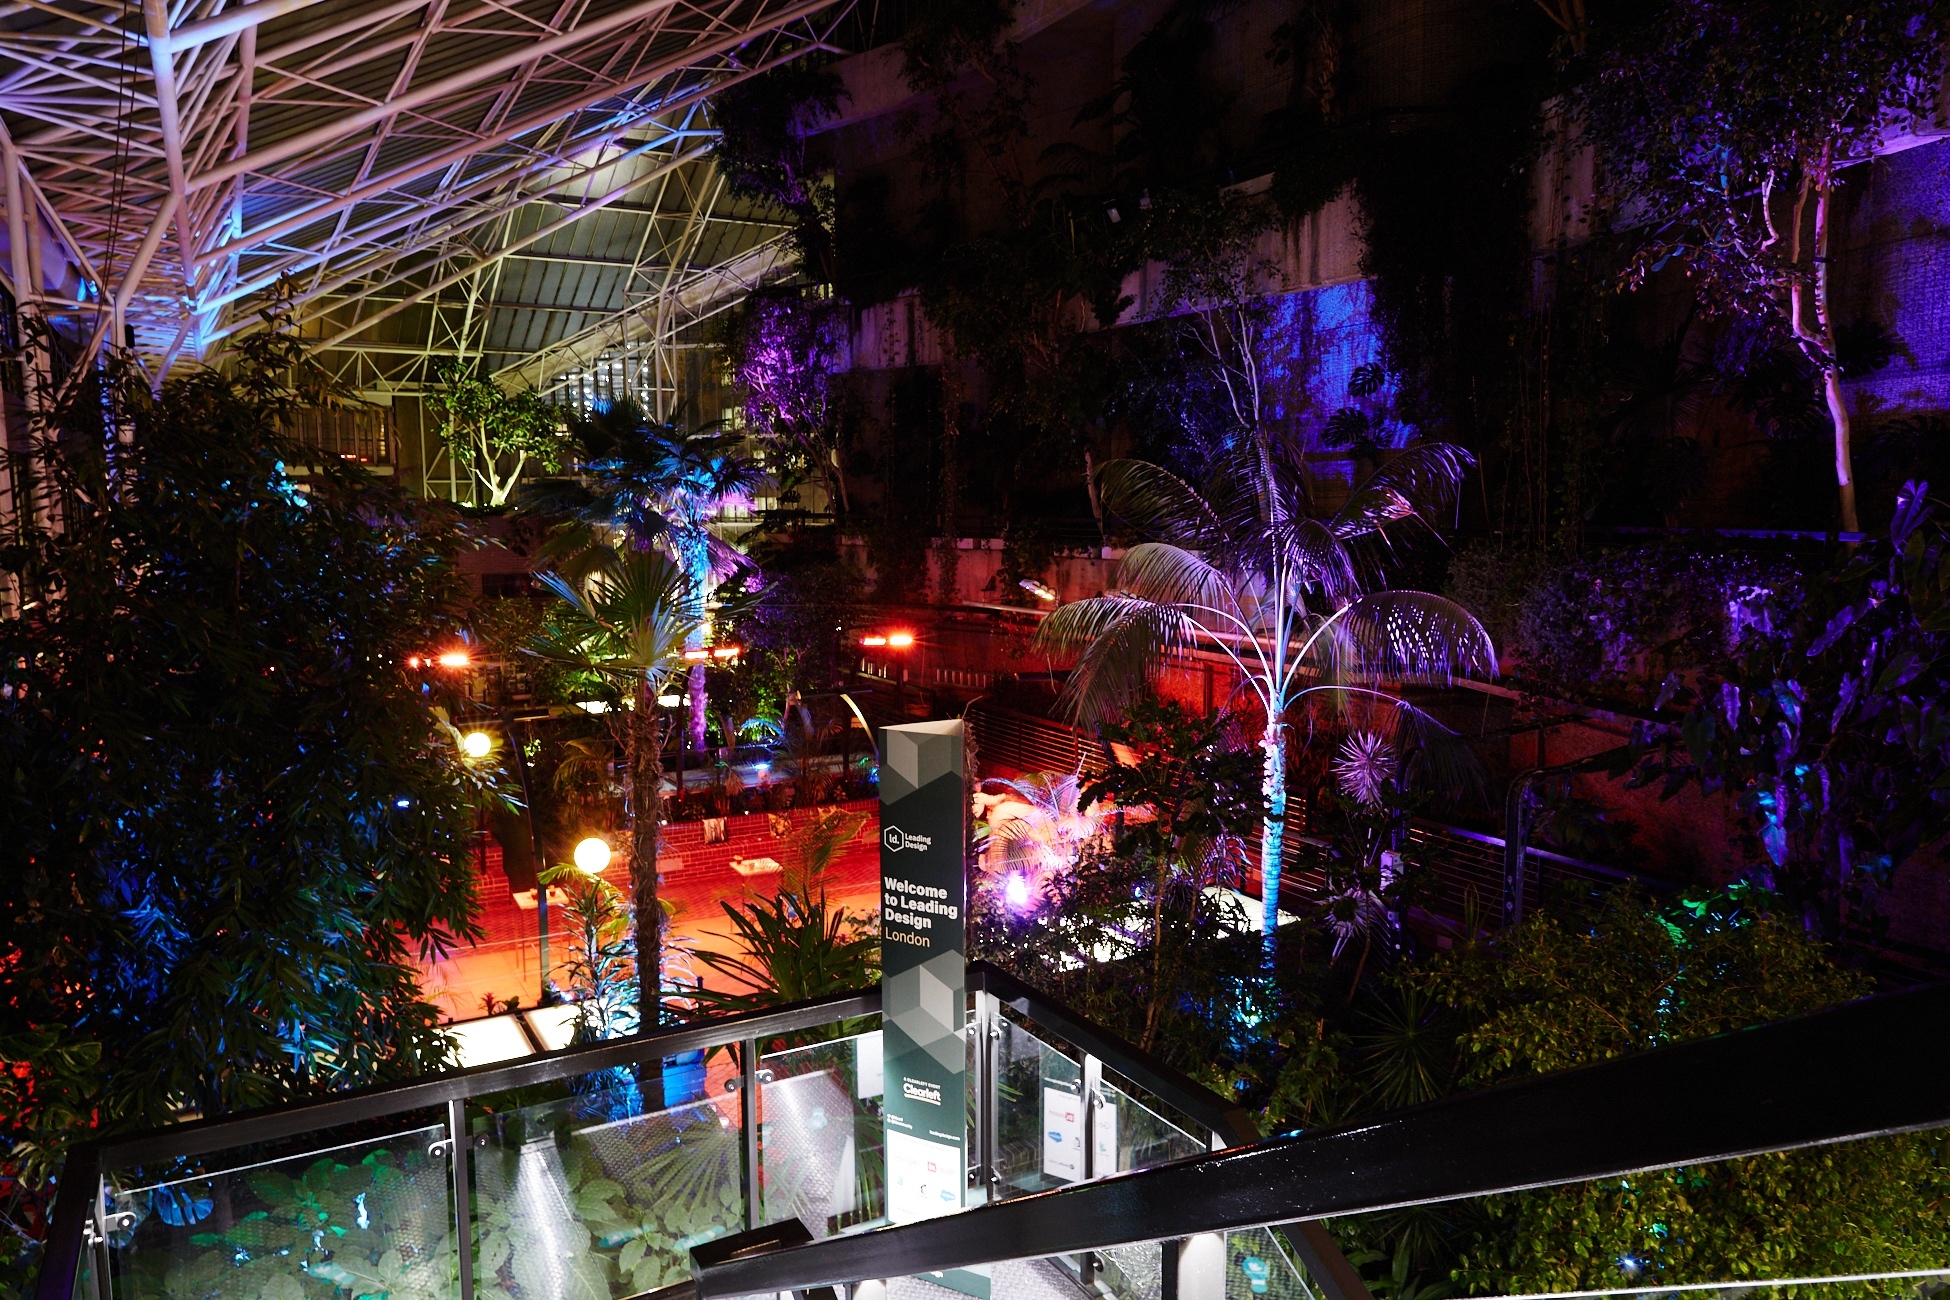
[1015,892]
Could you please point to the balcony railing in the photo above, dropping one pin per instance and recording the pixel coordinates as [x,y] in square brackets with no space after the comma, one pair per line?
[558,1178]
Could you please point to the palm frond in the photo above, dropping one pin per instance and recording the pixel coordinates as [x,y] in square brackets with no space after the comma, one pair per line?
[1405,636]
[1418,483]
[632,586]
[1312,550]
[629,619]
[1172,575]
[1158,502]
[1121,641]
[1438,759]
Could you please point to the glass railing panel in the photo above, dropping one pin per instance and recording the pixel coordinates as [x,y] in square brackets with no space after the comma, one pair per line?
[373,1217]
[583,1196]
[1134,1272]
[1259,1264]
[1143,1136]
[821,1136]
[1039,1114]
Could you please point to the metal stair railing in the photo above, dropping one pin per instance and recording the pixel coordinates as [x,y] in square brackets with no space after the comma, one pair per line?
[1866,1069]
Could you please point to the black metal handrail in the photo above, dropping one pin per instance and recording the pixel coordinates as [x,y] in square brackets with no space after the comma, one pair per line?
[1866,1069]
[82,1171]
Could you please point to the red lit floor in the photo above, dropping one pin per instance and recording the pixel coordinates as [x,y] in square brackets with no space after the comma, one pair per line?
[697,878]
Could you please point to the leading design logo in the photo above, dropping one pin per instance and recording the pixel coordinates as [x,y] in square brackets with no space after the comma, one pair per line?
[897,839]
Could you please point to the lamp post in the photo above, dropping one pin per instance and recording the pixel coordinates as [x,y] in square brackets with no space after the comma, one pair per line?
[592,855]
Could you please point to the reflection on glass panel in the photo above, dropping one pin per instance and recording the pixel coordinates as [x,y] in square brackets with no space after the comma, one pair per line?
[1133,1272]
[580,1199]
[1038,1114]
[1259,1264]
[820,1136]
[369,1218]
[1144,1137]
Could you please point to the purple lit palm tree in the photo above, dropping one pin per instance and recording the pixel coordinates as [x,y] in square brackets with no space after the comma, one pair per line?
[653,485]
[1250,566]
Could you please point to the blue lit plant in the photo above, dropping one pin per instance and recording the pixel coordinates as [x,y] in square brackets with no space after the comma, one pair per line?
[1828,722]
[234,817]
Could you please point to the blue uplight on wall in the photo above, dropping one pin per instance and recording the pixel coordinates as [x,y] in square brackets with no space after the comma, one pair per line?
[1316,343]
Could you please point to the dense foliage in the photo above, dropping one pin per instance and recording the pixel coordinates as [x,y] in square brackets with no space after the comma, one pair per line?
[1614,622]
[1826,722]
[1620,977]
[495,433]
[234,814]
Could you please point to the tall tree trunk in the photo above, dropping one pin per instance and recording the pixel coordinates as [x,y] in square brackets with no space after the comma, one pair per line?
[1818,340]
[697,566]
[646,810]
[837,475]
[1831,379]
[699,702]
[1273,832]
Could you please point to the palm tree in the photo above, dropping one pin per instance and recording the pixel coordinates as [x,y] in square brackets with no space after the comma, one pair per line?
[627,620]
[1250,566]
[657,486]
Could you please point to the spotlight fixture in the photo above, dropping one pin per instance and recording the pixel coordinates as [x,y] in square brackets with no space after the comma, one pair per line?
[1015,892]
[454,659]
[476,744]
[592,855]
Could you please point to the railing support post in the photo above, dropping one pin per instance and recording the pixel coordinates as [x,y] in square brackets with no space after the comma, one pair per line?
[748,1123]
[1332,1275]
[987,1028]
[1093,1115]
[1516,831]
[458,1147]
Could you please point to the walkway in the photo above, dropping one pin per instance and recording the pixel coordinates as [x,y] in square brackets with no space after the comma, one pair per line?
[696,878]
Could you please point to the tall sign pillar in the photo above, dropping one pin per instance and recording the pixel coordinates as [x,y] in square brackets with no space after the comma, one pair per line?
[923,958]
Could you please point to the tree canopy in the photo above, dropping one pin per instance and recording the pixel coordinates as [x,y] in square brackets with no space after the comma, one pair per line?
[234,814]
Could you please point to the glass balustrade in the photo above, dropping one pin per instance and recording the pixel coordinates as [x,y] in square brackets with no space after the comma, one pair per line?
[586,1196]
[820,1139]
[1039,1114]
[367,1218]
[576,1188]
